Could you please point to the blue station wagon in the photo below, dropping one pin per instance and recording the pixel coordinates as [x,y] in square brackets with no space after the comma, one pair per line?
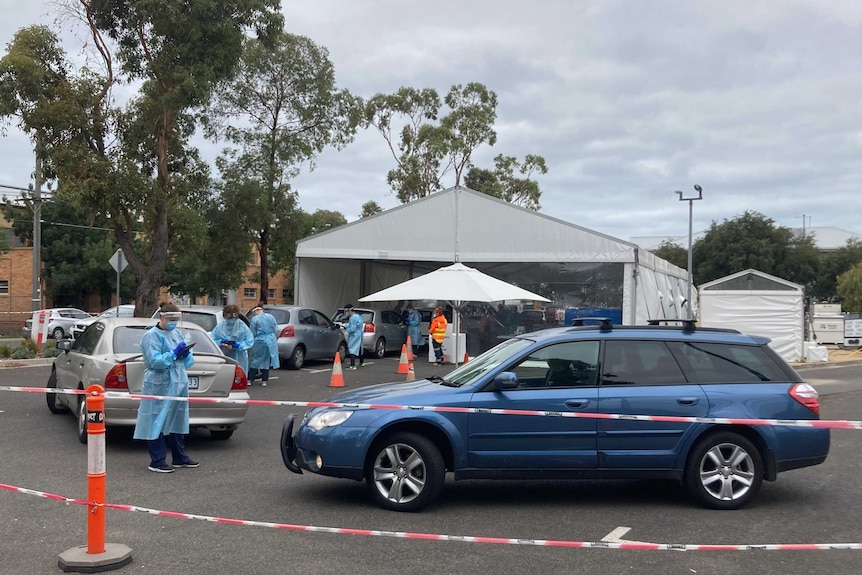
[656,370]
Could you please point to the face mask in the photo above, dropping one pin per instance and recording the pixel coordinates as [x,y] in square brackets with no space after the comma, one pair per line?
[230,322]
[171,325]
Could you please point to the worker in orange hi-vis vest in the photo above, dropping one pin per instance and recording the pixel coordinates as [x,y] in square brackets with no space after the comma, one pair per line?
[437,333]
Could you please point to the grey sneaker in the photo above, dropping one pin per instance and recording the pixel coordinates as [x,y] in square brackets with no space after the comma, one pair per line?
[352,367]
[164,468]
[263,384]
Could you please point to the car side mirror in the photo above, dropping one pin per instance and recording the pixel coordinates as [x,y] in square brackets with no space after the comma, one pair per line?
[506,380]
[64,345]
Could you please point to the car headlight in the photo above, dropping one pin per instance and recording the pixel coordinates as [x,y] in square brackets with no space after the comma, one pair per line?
[328,419]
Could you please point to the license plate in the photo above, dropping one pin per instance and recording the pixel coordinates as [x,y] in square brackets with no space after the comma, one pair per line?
[193,382]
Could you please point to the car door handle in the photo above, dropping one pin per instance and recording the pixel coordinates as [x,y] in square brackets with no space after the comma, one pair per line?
[577,403]
[687,400]
[81,364]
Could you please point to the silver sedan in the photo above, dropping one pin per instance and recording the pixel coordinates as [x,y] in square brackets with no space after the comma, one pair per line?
[108,353]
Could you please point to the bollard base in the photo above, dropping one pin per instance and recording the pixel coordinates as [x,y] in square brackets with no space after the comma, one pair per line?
[77,559]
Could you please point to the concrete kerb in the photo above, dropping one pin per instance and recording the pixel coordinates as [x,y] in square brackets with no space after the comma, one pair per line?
[35,362]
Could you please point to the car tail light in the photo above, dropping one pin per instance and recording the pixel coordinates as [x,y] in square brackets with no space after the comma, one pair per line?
[807,396]
[240,381]
[116,378]
[287,331]
[369,328]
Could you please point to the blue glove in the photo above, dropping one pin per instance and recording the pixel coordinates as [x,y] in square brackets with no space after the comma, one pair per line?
[235,345]
[178,351]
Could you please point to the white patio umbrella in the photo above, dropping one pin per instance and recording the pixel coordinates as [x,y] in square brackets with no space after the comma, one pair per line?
[456,284]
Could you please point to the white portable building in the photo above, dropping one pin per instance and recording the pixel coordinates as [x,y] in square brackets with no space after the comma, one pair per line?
[571,264]
[757,303]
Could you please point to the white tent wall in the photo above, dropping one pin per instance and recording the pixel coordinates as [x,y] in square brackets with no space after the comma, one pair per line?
[661,288]
[777,315]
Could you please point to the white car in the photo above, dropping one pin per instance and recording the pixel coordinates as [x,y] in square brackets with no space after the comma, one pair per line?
[125,310]
[108,353]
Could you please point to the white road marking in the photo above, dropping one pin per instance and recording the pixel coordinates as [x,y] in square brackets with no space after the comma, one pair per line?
[616,536]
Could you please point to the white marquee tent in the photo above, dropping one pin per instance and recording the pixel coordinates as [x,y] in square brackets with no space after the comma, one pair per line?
[460,225]
[757,303]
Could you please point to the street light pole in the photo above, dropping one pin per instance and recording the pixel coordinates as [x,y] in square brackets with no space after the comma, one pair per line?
[690,201]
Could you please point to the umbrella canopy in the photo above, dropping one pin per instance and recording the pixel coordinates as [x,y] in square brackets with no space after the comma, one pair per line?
[457,284]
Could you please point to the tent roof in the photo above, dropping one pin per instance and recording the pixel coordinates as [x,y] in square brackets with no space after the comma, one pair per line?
[459,224]
[750,280]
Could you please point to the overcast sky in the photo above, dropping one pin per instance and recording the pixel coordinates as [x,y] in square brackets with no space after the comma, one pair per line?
[760,102]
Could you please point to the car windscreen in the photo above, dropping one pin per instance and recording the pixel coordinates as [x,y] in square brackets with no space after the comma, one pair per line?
[127,339]
[475,369]
[207,321]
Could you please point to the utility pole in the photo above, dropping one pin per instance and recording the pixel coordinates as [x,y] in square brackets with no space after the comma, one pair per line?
[36,294]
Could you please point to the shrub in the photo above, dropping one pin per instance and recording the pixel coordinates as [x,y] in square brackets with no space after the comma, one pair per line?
[5,351]
[23,353]
[51,352]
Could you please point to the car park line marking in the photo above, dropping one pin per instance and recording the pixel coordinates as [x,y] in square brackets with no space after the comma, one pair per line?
[312,371]
[633,545]
[818,423]
[616,536]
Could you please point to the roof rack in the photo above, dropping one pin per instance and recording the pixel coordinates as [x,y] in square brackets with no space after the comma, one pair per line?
[687,324]
[605,323]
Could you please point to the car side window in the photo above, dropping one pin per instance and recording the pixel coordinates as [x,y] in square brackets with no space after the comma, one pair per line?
[392,318]
[88,340]
[727,363]
[322,320]
[306,317]
[570,364]
[640,363]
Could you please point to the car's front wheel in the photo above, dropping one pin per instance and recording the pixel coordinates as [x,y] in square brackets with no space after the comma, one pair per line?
[724,471]
[405,472]
[82,419]
[297,358]
[58,333]
[51,398]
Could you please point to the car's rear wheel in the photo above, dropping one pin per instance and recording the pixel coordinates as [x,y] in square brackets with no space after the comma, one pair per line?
[82,419]
[342,351]
[380,348]
[297,358]
[58,333]
[221,434]
[724,471]
[51,398]
[405,472]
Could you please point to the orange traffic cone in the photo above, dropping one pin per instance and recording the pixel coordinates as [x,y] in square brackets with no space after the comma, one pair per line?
[409,345]
[466,357]
[411,374]
[337,379]
[403,366]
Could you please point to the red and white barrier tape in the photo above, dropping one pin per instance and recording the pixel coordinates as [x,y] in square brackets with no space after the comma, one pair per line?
[819,423]
[457,538]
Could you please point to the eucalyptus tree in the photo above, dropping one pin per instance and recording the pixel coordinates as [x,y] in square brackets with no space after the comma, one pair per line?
[370,208]
[133,165]
[504,182]
[280,110]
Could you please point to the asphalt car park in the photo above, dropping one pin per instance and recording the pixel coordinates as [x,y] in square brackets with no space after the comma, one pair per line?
[244,478]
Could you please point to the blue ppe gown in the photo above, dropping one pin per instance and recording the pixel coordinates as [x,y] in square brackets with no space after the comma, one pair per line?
[264,353]
[164,375]
[234,330]
[354,334]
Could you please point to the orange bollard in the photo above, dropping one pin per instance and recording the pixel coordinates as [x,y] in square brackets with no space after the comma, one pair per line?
[96,469]
[99,556]
[409,345]
[337,379]
[403,364]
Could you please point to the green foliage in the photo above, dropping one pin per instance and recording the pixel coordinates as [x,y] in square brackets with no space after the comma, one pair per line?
[23,353]
[849,288]
[281,109]
[834,264]
[370,208]
[673,253]
[51,352]
[502,183]
[748,241]
[5,351]
[469,124]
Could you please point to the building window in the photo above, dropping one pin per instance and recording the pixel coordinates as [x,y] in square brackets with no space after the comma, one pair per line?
[287,295]
[270,293]
[4,286]
[249,292]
